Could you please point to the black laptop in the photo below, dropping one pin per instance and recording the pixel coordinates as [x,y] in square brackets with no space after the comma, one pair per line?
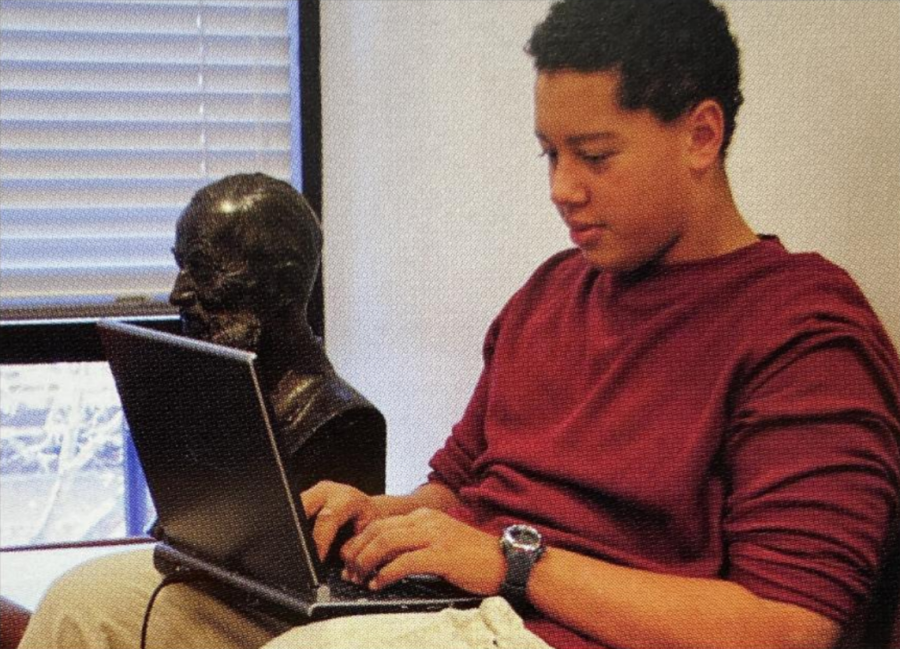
[203,434]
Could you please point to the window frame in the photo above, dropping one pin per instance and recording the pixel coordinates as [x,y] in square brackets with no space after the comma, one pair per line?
[56,336]
[70,335]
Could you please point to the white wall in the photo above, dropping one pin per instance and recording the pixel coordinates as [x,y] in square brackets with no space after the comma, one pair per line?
[436,205]
[817,156]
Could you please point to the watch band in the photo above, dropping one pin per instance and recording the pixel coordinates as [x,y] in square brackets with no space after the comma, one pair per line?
[518,569]
[522,546]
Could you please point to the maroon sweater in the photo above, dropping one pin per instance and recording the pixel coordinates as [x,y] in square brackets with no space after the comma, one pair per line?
[732,418]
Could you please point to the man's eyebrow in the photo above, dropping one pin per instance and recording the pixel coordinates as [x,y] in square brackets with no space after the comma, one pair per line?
[581,138]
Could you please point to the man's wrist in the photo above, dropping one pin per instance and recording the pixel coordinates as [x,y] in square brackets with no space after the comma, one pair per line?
[387,505]
[428,495]
[522,546]
[434,495]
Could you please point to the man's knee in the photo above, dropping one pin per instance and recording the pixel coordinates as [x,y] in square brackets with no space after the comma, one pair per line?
[101,604]
[119,579]
[94,603]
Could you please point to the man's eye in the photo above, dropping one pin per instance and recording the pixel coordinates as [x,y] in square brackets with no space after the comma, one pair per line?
[595,158]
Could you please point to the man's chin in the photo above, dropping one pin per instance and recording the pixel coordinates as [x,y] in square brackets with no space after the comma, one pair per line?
[620,261]
[603,259]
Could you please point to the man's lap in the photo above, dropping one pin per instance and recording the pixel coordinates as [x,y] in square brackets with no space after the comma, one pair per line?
[493,625]
[102,604]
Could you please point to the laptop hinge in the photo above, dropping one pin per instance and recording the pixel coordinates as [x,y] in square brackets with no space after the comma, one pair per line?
[166,559]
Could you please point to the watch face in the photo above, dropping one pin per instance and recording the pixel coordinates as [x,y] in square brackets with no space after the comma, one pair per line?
[522,537]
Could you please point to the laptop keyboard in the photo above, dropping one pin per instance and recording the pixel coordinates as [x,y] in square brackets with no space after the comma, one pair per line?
[412,588]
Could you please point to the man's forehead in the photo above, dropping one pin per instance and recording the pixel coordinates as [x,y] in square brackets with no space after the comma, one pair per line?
[575,108]
[587,98]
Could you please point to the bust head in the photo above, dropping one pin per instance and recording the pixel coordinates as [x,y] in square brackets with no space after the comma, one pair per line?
[248,248]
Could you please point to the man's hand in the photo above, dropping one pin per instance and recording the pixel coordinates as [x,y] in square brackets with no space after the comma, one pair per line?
[334,505]
[425,541]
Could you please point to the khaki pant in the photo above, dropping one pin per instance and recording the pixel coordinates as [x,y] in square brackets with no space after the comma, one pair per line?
[101,604]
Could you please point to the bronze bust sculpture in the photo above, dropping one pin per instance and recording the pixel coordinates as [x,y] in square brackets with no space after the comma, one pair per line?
[248,248]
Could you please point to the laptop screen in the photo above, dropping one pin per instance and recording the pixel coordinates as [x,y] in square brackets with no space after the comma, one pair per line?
[203,435]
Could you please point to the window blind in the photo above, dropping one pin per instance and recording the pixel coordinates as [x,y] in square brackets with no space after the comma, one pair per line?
[112,114]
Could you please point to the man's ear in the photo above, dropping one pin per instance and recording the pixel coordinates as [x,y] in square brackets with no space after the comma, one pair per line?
[705,128]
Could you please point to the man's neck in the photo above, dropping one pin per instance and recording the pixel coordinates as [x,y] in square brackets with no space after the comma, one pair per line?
[715,225]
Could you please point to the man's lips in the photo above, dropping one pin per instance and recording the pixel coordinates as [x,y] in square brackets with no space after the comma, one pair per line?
[586,235]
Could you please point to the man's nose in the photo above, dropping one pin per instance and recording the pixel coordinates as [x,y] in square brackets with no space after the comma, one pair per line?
[184,293]
[566,187]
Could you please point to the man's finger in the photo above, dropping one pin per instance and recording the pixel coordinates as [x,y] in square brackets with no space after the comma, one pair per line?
[383,546]
[410,563]
[364,536]
[333,505]
[314,498]
[324,531]
[330,519]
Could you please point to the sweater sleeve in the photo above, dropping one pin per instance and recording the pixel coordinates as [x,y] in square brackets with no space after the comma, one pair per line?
[815,473]
[452,465]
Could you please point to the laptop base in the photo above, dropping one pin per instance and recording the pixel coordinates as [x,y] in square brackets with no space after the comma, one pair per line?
[425,597]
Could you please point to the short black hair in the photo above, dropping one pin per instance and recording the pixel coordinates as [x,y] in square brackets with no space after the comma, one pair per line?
[670,54]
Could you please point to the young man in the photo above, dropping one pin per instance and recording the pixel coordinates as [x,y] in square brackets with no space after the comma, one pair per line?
[702,426]
[684,435]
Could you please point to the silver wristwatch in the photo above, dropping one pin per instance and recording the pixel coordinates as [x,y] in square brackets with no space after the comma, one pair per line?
[522,546]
